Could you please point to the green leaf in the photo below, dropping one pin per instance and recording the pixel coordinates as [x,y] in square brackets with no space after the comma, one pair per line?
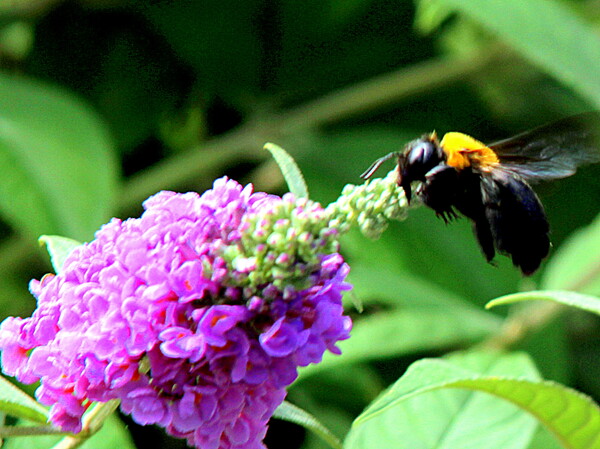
[544,440]
[407,331]
[342,11]
[398,287]
[113,434]
[421,317]
[584,302]
[291,171]
[574,419]
[547,33]
[56,160]
[227,58]
[15,402]
[339,389]
[550,346]
[576,264]
[59,248]
[430,15]
[289,412]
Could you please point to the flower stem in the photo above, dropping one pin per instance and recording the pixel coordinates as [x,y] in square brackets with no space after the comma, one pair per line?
[92,423]
[524,322]
[22,431]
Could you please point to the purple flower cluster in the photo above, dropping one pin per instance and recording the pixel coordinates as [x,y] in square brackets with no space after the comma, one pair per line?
[149,313]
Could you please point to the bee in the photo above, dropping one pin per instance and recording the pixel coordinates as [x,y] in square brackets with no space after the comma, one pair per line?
[490,184]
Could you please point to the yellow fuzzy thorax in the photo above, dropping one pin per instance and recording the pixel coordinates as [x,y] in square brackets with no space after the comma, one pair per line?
[464,151]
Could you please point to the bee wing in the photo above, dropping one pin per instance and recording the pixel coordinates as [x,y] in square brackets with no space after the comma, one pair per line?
[554,150]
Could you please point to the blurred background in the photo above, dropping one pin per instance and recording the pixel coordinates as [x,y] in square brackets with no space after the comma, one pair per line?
[105,102]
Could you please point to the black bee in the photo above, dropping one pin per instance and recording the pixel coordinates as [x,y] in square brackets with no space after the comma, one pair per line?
[489,184]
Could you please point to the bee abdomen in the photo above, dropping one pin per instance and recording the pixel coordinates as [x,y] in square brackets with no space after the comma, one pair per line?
[517,220]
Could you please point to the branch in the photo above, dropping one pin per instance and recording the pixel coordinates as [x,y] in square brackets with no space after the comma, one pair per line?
[207,160]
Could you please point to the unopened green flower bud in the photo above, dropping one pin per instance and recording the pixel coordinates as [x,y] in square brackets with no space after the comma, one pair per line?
[369,206]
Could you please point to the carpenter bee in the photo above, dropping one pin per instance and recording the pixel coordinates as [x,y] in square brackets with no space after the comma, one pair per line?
[489,184]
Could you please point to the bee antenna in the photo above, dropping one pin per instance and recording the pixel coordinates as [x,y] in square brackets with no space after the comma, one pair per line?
[375,165]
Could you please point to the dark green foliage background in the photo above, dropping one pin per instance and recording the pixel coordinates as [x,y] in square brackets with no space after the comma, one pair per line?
[115,100]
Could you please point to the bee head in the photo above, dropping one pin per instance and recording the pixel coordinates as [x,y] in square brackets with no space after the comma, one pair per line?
[418,157]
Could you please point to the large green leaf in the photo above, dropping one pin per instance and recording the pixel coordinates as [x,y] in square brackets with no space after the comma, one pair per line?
[571,417]
[547,33]
[56,161]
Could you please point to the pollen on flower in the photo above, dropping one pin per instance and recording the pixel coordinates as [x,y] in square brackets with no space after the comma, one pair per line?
[195,316]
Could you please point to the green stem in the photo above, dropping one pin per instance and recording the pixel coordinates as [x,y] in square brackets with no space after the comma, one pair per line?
[22,431]
[206,161]
[389,88]
[92,423]
[525,321]
[534,316]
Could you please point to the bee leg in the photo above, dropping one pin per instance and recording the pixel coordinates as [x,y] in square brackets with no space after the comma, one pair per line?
[471,202]
[439,191]
[447,215]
